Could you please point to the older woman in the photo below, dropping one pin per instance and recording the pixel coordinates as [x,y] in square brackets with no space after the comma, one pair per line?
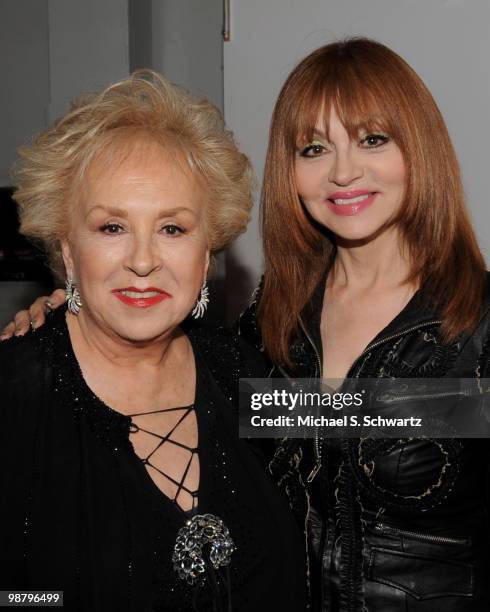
[125,483]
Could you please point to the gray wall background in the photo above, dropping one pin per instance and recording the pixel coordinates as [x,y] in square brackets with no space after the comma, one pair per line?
[51,50]
[24,95]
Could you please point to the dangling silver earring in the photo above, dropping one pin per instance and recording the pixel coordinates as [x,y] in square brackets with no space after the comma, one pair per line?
[73,298]
[202,302]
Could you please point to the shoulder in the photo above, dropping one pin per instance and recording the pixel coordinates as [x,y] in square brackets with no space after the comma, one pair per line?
[481,336]
[475,346]
[486,302]
[25,360]
[216,342]
[218,347]
[22,380]
[18,359]
[484,325]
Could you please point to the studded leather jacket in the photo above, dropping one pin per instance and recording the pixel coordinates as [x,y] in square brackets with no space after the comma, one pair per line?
[391,525]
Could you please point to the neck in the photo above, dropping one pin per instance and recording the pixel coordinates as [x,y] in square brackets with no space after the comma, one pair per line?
[106,348]
[370,264]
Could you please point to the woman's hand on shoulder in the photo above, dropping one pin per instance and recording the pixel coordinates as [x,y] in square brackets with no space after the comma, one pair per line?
[35,316]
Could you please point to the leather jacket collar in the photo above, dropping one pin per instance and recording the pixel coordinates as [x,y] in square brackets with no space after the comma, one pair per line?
[306,349]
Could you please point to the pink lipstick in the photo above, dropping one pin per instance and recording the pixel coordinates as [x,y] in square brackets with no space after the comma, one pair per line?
[141,298]
[348,203]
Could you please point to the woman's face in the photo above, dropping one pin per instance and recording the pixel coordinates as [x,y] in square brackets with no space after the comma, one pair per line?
[352,187]
[137,250]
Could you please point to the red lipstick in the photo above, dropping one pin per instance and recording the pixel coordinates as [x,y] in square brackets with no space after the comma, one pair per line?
[141,298]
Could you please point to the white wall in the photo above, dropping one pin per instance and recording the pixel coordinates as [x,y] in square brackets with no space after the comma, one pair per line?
[446,41]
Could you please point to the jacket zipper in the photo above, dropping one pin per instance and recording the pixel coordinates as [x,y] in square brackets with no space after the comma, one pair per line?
[416,535]
[317,450]
[393,337]
[426,396]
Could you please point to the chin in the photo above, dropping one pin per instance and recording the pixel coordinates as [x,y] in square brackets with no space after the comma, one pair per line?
[142,332]
[354,235]
[355,229]
[143,337]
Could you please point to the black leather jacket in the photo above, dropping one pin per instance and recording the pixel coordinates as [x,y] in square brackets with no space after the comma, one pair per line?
[392,525]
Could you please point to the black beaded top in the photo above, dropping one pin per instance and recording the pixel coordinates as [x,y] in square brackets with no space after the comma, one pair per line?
[84,515]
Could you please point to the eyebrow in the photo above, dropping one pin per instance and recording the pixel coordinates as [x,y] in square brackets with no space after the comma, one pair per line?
[321,133]
[119,212]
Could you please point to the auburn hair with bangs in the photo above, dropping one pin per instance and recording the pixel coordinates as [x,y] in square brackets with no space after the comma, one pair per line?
[371,88]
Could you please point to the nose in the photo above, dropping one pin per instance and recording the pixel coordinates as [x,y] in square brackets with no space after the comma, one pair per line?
[346,168]
[144,256]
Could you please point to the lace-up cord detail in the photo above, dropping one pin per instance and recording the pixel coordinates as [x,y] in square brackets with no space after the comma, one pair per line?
[134,428]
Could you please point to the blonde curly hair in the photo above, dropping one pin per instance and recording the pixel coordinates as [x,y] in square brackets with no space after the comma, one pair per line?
[146,106]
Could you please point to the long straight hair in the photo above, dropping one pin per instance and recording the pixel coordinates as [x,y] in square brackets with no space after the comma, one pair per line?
[371,88]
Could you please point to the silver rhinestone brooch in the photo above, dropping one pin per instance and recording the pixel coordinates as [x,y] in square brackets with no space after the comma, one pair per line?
[203,540]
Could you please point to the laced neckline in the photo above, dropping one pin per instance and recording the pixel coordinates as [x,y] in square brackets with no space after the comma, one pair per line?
[113,428]
[134,428]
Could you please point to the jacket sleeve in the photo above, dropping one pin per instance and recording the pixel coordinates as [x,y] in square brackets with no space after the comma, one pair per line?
[483,367]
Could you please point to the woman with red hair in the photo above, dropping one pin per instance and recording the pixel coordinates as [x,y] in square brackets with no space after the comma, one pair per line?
[372,269]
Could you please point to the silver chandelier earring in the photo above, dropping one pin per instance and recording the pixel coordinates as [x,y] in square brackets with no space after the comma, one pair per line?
[73,298]
[202,302]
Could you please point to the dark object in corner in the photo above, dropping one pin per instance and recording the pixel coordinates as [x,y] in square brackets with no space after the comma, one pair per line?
[20,260]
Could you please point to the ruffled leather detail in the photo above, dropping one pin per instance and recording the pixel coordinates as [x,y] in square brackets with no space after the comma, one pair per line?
[283,468]
[417,355]
[351,539]
[363,455]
